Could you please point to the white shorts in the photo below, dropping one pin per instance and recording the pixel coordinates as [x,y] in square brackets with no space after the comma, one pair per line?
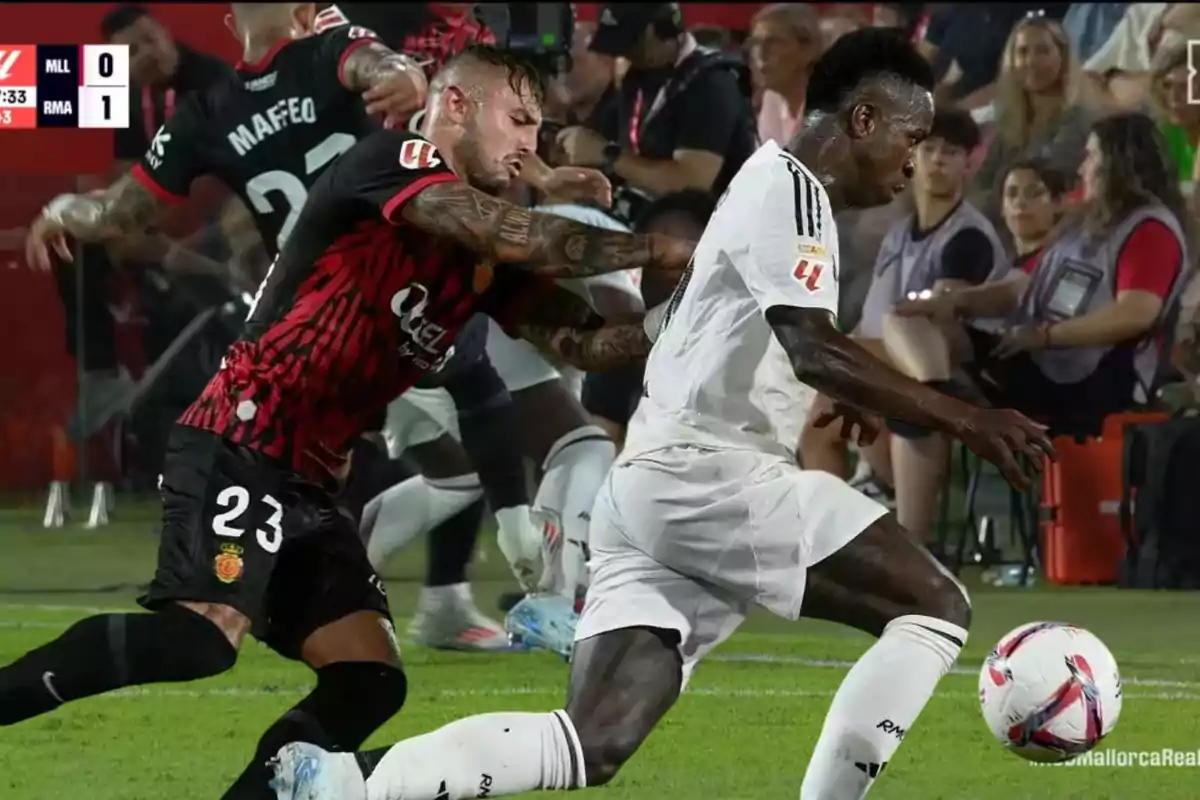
[518,363]
[419,416]
[686,539]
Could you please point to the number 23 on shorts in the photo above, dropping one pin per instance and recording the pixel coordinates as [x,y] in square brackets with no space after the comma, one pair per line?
[236,501]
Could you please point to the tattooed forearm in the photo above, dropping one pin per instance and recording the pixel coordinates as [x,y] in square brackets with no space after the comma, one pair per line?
[122,209]
[544,244]
[372,63]
[591,350]
[838,367]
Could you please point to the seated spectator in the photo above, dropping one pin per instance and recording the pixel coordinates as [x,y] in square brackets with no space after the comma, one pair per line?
[965,42]
[611,397]
[1084,319]
[682,116]
[1038,110]
[785,41]
[945,242]
[1120,70]
[1089,26]
[1178,119]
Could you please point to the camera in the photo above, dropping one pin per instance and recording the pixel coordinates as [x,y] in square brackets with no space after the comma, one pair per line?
[539,31]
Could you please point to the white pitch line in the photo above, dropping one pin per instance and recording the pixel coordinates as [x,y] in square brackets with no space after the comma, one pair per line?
[525,691]
[960,670]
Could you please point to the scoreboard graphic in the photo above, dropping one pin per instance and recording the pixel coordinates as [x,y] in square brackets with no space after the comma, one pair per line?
[64,86]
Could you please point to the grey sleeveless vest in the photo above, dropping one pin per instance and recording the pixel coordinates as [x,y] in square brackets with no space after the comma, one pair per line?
[905,264]
[1076,275]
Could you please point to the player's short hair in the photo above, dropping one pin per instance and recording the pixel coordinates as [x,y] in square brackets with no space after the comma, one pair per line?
[1057,181]
[695,204]
[522,73]
[957,127]
[121,18]
[860,56]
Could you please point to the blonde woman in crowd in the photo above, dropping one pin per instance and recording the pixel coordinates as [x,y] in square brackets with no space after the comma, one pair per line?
[1038,106]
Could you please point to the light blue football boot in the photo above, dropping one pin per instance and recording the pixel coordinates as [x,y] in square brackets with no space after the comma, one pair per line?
[543,621]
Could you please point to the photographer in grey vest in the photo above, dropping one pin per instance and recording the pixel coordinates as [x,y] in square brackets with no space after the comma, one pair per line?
[933,348]
[1088,322]
[946,242]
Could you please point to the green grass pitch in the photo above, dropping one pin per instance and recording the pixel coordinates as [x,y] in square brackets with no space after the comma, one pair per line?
[743,730]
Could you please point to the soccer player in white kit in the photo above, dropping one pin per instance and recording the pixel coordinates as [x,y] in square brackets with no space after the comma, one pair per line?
[706,510]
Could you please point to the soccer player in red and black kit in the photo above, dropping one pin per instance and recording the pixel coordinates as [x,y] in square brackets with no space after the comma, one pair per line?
[268,132]
[398,245]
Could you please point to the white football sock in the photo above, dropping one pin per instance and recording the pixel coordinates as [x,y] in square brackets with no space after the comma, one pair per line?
[877,703]
[412,508]
[574,471]
[490,755]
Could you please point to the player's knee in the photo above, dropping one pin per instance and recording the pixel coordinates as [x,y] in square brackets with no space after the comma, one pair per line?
[356,697]
[945,598]
[606,748]
[174,644]
[584,444]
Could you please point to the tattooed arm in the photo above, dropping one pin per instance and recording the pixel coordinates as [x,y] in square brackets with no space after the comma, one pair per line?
[392,84]
[591,350]
[541,243]
[563,325]
[124,208]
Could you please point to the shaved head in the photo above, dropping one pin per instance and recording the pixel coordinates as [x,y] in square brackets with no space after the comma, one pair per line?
[485,108]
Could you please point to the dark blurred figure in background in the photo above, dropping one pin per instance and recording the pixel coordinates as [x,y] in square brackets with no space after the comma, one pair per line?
[161,71]
[785,41]
[580,96]
[682,118]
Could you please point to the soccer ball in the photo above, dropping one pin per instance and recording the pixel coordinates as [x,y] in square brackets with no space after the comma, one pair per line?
[1050,691]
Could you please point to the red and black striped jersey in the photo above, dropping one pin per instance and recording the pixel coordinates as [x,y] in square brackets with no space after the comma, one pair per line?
[357,307]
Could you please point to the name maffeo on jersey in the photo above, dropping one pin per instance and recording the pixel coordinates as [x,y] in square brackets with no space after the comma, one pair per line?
[262,125]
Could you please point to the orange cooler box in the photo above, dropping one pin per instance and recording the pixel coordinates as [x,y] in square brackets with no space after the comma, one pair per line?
[1080,532]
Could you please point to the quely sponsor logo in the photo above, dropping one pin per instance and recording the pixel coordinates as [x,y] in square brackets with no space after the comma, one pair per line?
[425,336]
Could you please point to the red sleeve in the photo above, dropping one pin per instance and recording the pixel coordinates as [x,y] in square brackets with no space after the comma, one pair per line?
[1149,260]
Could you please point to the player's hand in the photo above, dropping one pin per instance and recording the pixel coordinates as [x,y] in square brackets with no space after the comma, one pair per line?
[869,425]
[397,96]
[581,146]
[1001,435]
[522,546]
[579,185]
[46,234]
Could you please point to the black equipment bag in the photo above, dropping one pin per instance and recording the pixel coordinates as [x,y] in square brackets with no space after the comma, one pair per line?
[1160,504]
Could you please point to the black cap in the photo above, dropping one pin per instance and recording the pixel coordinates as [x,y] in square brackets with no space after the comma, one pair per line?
[621,25]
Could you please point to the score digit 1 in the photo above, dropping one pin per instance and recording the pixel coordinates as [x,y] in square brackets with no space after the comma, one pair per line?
[104,95]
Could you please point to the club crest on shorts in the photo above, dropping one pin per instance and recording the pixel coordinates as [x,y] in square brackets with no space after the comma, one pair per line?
[418,154]
[228,565]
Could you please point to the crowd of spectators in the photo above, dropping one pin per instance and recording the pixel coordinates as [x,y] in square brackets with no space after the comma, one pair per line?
[1054,102]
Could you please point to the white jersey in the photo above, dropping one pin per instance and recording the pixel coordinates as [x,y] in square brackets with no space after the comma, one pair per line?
[717,376]
[626,281]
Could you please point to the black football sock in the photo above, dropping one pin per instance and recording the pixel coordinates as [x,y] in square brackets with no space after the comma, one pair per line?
[490,432]
[102,653]
[451,546]
[351,700]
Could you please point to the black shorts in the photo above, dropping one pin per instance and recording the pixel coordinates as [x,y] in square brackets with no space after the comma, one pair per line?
[240,530]
[1019,383]
[614,394]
